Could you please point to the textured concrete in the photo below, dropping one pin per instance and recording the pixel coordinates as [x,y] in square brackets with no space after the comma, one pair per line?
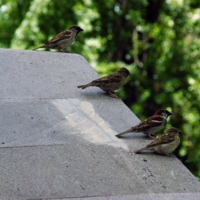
[58,141]
[168,196]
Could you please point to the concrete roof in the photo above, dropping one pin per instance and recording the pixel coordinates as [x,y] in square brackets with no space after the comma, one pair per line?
[58,141]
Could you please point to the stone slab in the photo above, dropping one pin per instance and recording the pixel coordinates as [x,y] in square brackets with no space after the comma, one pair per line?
[58,141]
[169,196]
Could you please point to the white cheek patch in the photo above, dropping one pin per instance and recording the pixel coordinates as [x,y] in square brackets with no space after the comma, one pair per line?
[164,116]
[156,121]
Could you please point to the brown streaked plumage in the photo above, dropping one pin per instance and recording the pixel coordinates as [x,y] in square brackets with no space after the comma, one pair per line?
[151,125]
[111,82]
[165,144]
[63,39]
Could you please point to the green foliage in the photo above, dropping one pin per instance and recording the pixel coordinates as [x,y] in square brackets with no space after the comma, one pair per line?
[12,14]
[194,160]
[157,40]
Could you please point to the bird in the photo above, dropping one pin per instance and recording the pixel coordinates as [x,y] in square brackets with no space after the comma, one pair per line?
[63,39]
[165,144]
[111,82]
[151,125]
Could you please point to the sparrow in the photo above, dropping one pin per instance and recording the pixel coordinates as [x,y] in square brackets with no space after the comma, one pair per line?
[151,125]
[63,39]
[165,144]
[111,82]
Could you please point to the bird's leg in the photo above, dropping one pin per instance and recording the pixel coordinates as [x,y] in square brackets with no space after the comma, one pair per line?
[65,50]
[152,136]
[171,155]
[112,94]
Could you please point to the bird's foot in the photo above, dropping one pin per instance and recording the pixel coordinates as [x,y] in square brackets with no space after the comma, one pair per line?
[112,94]
[152,136]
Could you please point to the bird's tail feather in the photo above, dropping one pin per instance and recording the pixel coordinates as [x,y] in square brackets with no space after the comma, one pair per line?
[44,46]
[139,150]
[36,48]
[83,86]
[39,47]
[123,133]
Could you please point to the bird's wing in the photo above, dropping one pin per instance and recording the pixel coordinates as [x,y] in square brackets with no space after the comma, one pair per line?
[150,122]
[163,139]
[108,79]
[63,35]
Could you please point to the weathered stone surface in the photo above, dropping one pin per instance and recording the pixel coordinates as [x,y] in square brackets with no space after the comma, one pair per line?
[58,141]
